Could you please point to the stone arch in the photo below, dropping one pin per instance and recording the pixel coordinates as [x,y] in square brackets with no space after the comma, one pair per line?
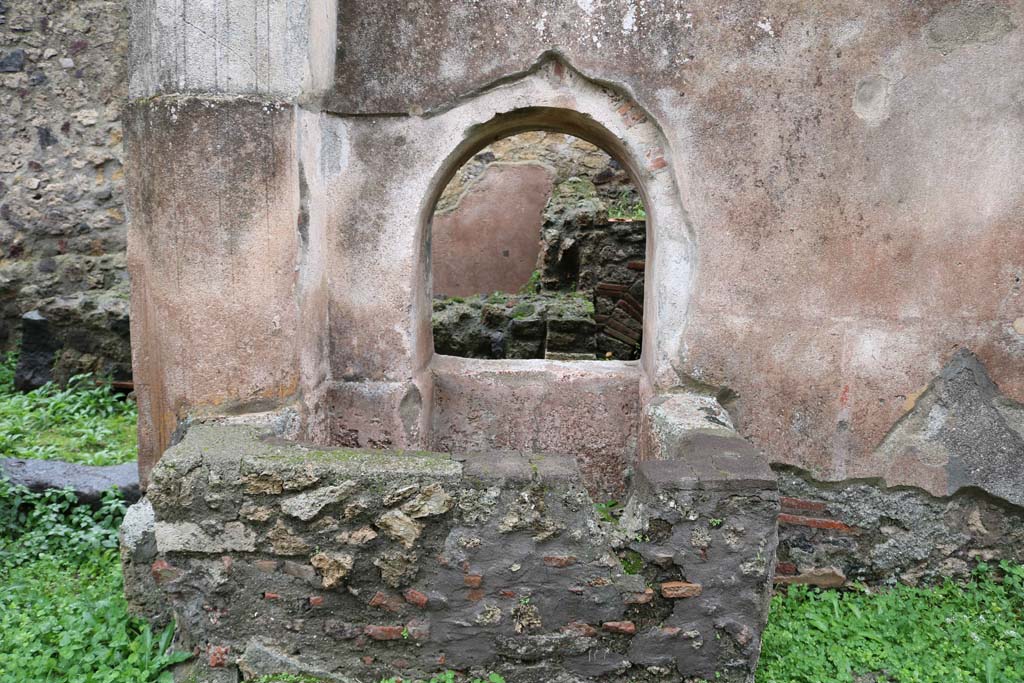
[554,96]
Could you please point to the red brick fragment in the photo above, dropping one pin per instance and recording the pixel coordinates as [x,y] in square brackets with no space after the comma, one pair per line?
[785,569]
[316,600]
[367,661]
[626,628]
[680,589]
[559,561]
[580,627]
[670,631]
[271,596]
[507,594]
[475,595]
[658,163]
[384,632]
[417,630]
[816,523]
[472,580]
[416,598]
[218,655]
[163,572]
[386,601]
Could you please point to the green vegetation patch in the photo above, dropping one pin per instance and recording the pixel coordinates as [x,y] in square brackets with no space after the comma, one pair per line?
[953,633]
[85,422]
[63,616]
[450,677]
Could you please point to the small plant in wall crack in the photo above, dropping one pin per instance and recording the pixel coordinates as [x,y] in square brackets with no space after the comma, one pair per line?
[609,511]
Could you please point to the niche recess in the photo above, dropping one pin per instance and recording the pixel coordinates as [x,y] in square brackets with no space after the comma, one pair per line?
[538,250]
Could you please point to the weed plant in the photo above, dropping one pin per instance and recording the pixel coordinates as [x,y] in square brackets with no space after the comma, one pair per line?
[85,422]
[63,615]
[952,633]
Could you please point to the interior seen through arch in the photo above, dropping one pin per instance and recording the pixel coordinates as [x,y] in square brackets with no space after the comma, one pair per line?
[537,251]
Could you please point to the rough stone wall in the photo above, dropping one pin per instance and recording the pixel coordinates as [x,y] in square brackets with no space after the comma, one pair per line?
[967,441]
[832,534]
[357,565]
[62,216]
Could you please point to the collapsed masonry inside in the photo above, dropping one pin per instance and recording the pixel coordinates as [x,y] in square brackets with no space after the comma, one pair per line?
[538,250]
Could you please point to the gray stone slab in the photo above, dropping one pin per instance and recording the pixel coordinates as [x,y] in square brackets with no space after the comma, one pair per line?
[89,482]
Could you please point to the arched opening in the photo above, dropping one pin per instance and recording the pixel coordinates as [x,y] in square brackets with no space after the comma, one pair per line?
[538,250]
[590,410]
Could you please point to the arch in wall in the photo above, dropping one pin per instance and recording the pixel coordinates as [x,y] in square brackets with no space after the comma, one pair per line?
[553,96]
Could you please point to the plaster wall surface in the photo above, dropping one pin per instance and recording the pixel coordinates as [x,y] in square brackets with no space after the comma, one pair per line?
[852,172]
[215,294]
[276,48]
[490,241]
[834,191]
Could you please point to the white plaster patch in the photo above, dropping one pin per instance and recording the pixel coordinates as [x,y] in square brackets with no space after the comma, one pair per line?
[871,99]
[765,24]
[541,24]
[585,5]
[629,20]
[847,31]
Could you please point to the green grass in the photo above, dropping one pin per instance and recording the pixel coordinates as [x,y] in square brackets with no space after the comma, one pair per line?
[952,633]
[63,616]
[85,422]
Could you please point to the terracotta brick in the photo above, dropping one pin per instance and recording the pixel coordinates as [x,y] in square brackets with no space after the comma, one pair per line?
[627,628]
[475,595]
[416,598]
[271,596]
[472,580]
[680,589]
[386,601]
[785,569]
[367,661]
[316,600]
[218,655]
[816,523]
[418,630]
[559,561]
[580,627]
[163,572]
[384,632]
